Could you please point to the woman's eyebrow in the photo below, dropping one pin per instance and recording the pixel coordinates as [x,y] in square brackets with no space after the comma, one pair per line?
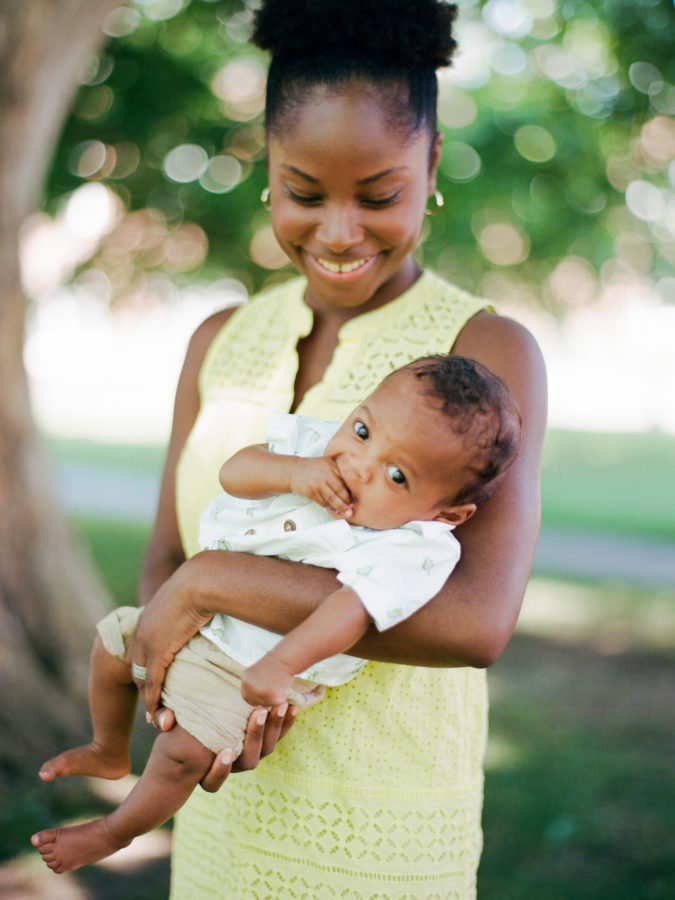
[300,173]
[383,174]
[368,180]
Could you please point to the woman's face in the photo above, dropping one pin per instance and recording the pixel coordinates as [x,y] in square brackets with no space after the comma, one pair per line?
[348,193]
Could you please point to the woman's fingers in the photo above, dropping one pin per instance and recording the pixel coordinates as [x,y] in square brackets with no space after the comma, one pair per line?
[151,688]
[219,772]
[273,725]
[163,719]
[263,732]
[287,720]
[253,741]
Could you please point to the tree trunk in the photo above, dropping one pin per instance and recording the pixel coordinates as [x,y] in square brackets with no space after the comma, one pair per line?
[49,594]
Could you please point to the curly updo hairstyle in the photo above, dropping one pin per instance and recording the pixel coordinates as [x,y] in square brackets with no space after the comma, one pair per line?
[390,44]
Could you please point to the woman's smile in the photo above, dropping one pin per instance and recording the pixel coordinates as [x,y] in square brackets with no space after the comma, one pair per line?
[340,270]
[348,193]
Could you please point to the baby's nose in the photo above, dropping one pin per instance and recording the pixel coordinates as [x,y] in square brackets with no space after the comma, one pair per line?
[364,470]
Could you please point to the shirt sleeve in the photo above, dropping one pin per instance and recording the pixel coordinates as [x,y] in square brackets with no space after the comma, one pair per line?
[293,435]
[396,572]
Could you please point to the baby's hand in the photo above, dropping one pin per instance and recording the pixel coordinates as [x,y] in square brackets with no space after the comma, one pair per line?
[266,683]
[320,480]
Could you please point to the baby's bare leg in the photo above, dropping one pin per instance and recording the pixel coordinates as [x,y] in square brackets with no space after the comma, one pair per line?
[177,764]
[112,703]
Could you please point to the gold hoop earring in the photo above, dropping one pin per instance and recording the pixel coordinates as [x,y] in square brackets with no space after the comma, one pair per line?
[265,197]
[439,203]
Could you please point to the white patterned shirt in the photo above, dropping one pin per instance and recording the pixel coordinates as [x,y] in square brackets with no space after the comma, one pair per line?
[394,572]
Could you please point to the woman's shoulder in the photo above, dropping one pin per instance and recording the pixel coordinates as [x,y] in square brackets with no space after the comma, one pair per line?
[488,335]
[208,331]
[205,334]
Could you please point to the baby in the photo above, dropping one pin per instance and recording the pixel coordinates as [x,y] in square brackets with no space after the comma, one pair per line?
[375,498]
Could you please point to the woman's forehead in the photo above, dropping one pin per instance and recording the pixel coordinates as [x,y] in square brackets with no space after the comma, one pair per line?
[349,127]
[358,104]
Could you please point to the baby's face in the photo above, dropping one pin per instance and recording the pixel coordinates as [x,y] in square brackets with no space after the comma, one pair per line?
[399,456]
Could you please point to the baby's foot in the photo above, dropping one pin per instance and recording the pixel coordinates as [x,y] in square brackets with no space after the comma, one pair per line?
[89,759]
[65,849]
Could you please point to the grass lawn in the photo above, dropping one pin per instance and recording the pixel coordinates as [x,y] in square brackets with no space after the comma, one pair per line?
[612,482]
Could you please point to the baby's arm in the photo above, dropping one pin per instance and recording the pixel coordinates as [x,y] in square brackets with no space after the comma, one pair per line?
[332,628]
[255,472]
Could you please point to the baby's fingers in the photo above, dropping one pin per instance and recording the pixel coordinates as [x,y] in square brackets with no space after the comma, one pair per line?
[337,501]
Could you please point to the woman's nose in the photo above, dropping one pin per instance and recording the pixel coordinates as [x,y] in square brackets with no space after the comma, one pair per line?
[339,229]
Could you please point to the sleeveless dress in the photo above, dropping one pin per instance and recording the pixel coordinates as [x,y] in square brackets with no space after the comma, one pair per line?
[376,792]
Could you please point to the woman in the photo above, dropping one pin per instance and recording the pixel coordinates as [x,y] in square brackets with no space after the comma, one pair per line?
[382,799]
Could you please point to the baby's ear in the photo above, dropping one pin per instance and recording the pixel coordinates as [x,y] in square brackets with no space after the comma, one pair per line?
[456,515]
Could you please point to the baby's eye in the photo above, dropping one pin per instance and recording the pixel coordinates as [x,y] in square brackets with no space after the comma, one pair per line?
[361,430]
[396,475]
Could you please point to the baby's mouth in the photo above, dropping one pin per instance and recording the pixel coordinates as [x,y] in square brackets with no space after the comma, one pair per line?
[342,268]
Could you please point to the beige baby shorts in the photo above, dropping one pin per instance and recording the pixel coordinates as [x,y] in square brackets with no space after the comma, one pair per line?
[202,685]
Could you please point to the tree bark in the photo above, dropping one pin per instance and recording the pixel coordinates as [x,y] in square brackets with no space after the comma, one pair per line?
[50,596]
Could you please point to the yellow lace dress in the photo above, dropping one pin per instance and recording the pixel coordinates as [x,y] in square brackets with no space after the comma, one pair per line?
[376,792]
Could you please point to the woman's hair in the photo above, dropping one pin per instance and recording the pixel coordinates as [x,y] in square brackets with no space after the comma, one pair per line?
[482,410]
[395,45]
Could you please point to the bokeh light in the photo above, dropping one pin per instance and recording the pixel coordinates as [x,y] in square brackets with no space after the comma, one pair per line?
[241,86]
[534,143]
[186,163]
[265,251]
[459,161]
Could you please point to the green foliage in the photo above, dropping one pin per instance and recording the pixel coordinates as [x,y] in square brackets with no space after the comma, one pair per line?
[551,112]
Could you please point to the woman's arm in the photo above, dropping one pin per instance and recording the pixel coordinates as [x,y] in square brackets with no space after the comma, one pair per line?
[470,621]
[164,553]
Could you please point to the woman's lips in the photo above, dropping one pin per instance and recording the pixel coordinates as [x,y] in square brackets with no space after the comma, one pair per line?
[342,271]
[342,267]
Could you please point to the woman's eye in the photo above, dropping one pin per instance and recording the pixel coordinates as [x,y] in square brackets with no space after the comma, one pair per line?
[305,199]
[361,430]
[379,202]
[396,475]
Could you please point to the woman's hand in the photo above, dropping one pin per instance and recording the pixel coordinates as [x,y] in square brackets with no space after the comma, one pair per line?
[263,732]
[165,625]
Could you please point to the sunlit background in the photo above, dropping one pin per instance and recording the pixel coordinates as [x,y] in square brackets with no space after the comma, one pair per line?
[557,168]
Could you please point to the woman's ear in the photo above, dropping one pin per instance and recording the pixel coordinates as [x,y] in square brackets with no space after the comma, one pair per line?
[456,515]
[434,160]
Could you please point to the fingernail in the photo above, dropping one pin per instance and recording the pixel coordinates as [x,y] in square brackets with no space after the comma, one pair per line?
[281,711]
[226,757]
[261,718]
[161,719]
[148,718]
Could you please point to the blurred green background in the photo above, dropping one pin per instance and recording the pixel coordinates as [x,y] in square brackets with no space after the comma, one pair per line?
[559,181]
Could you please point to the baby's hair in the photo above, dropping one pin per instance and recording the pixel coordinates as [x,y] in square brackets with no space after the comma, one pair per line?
[482,410]
[388,43]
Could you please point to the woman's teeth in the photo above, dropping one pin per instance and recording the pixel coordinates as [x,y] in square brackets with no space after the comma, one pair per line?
[342,267]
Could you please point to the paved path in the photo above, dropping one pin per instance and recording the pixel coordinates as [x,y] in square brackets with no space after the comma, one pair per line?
[123,495]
